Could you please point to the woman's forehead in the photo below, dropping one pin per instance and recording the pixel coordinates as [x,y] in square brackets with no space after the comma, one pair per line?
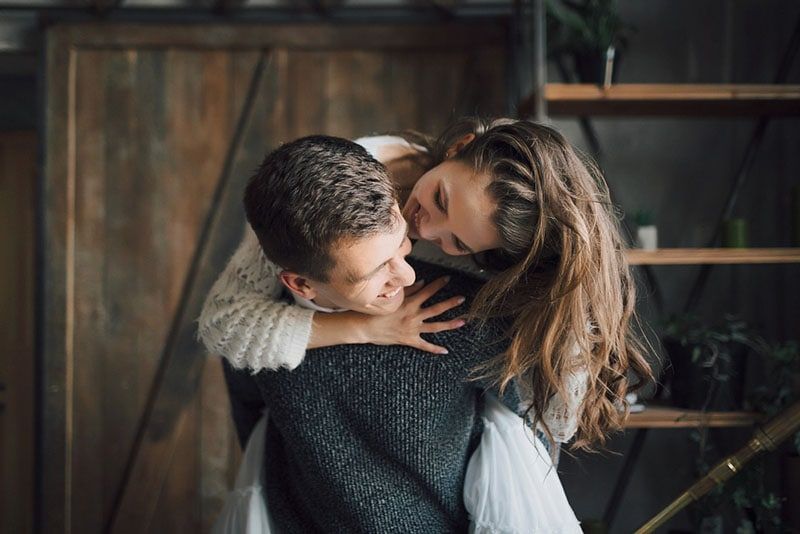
[470,209]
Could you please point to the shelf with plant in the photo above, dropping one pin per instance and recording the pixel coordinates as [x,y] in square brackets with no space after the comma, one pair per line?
[675,100]
[708,366]
[587,39]
[701,256]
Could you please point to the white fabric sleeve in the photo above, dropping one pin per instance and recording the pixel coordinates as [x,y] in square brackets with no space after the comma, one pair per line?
[243,318]
[561,414]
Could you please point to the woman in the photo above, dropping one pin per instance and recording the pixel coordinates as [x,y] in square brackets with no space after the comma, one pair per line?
[537,218]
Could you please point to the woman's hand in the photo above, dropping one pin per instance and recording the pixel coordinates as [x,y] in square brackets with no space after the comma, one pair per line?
[404,326]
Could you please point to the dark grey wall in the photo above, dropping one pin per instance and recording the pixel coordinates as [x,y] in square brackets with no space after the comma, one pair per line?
[681,170]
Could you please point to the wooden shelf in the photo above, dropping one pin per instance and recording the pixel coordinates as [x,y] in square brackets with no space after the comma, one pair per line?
[667,100]
[695,256]
[664,417]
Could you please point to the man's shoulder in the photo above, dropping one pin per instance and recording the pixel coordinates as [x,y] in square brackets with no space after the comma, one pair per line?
[460,282]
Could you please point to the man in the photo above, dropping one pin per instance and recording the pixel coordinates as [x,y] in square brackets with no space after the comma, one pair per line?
[361,438]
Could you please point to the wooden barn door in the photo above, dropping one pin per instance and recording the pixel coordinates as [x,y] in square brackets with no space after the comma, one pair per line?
[150,135]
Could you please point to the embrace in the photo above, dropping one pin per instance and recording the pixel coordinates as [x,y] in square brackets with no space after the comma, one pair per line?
[423,321]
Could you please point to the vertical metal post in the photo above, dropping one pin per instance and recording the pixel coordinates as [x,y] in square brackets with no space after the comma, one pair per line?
[540,59]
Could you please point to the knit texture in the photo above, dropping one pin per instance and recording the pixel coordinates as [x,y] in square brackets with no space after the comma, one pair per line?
[244,318]
[367,438]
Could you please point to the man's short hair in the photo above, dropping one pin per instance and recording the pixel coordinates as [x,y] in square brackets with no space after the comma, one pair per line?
[313,194]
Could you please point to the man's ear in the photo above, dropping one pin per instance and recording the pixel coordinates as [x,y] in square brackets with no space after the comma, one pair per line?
[456,147]
[297,284]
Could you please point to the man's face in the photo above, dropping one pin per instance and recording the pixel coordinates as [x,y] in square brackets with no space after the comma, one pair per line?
[369,274]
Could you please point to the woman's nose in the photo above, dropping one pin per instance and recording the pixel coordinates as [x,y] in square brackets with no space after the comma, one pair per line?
[430,226]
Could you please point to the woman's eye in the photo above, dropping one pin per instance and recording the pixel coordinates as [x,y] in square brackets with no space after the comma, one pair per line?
[437,199]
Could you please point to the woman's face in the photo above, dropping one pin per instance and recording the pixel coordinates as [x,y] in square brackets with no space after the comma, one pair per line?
[451,207]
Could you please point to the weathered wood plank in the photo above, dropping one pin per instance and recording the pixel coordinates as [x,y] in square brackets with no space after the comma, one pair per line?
[18,177]
[176,387]
[130,216]
[92,341]
[307,105]
[57,196]
[456,36]
[219,446]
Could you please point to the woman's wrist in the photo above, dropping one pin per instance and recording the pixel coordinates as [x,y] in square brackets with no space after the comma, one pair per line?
[342,328]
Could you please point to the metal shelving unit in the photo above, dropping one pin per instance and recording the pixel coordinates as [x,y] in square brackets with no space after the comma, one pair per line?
[582,101]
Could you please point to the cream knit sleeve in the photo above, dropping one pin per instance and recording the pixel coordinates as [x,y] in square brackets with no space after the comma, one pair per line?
[243,318]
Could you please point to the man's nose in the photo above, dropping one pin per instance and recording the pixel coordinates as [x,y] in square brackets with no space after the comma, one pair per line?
[404,273]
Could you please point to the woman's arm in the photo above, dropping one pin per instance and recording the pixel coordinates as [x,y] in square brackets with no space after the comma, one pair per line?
[404,161]
[561,415]
[243,318]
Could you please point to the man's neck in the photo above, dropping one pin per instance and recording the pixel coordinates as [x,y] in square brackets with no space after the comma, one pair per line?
[320,307]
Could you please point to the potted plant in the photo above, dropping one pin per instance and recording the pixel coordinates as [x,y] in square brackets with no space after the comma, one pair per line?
[589,31]
[750,498]
[707,362]
[755,502]
[780,388]
[646,231]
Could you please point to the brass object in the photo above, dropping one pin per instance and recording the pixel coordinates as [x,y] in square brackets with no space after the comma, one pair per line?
[766,438]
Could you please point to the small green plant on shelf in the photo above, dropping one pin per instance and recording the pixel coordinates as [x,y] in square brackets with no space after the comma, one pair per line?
[779,388]
[707,362]
[585,30]
[646,231]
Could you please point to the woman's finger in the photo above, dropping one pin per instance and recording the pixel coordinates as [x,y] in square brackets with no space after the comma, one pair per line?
[442,326]
[412,289]
[441,307]
[430,290]
[429,347]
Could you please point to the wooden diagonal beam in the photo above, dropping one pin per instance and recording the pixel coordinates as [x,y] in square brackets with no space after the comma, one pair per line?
[178,375]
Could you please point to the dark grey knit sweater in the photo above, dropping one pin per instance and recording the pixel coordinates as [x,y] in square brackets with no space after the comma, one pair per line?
[366,438]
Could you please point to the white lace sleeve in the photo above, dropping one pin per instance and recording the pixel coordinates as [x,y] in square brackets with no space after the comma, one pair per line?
[243,318]
[561,414]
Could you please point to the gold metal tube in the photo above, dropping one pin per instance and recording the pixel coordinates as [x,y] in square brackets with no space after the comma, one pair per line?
[766,438]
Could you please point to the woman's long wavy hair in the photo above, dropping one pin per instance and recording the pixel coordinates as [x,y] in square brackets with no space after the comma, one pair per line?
[561,275]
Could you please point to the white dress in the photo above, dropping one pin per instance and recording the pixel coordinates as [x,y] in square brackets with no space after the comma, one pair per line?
[245,510]
[511,485]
